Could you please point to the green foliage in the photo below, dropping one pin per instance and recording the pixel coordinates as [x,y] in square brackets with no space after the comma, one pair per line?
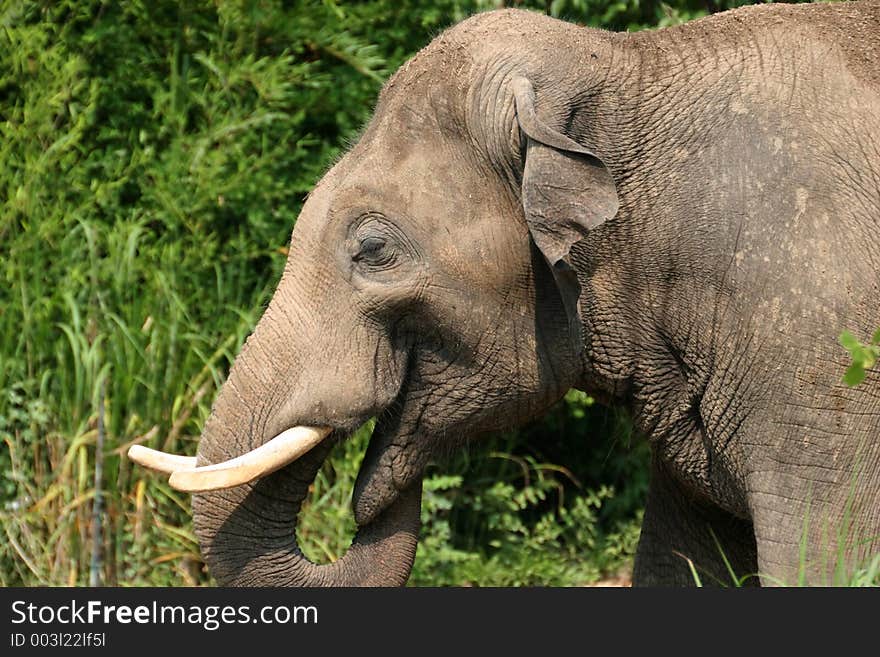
[562,546]
[866,575]
[864,356]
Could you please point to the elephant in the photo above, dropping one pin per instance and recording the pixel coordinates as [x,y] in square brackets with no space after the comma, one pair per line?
[679,222]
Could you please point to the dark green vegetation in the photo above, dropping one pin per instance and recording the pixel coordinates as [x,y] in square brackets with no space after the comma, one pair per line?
[864,356]
[154,159]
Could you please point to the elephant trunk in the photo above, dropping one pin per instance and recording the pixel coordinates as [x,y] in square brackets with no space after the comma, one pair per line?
[248,533]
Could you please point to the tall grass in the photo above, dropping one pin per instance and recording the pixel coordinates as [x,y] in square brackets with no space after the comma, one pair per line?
[118,324]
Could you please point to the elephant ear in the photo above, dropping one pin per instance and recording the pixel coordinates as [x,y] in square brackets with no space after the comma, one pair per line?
[566,192]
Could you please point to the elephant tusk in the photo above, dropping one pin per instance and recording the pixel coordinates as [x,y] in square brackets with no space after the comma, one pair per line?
[284,448]
[156,460]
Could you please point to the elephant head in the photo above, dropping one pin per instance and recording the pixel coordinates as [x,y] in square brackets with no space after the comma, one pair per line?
[428,285]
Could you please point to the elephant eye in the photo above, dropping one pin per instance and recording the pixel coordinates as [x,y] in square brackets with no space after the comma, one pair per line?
[374,250]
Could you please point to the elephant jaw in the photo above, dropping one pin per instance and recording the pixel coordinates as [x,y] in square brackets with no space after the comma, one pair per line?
[273,455]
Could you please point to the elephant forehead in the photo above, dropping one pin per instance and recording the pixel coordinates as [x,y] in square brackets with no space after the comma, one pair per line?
[429,182]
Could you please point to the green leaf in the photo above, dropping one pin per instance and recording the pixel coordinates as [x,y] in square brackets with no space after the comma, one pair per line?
[849,342]
[875,339]
[854,375]
[869,356]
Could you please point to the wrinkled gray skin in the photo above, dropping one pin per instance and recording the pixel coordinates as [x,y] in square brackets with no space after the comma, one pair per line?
[469,261]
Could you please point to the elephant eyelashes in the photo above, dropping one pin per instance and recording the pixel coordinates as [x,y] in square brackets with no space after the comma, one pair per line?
[376,246]
[374,251]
